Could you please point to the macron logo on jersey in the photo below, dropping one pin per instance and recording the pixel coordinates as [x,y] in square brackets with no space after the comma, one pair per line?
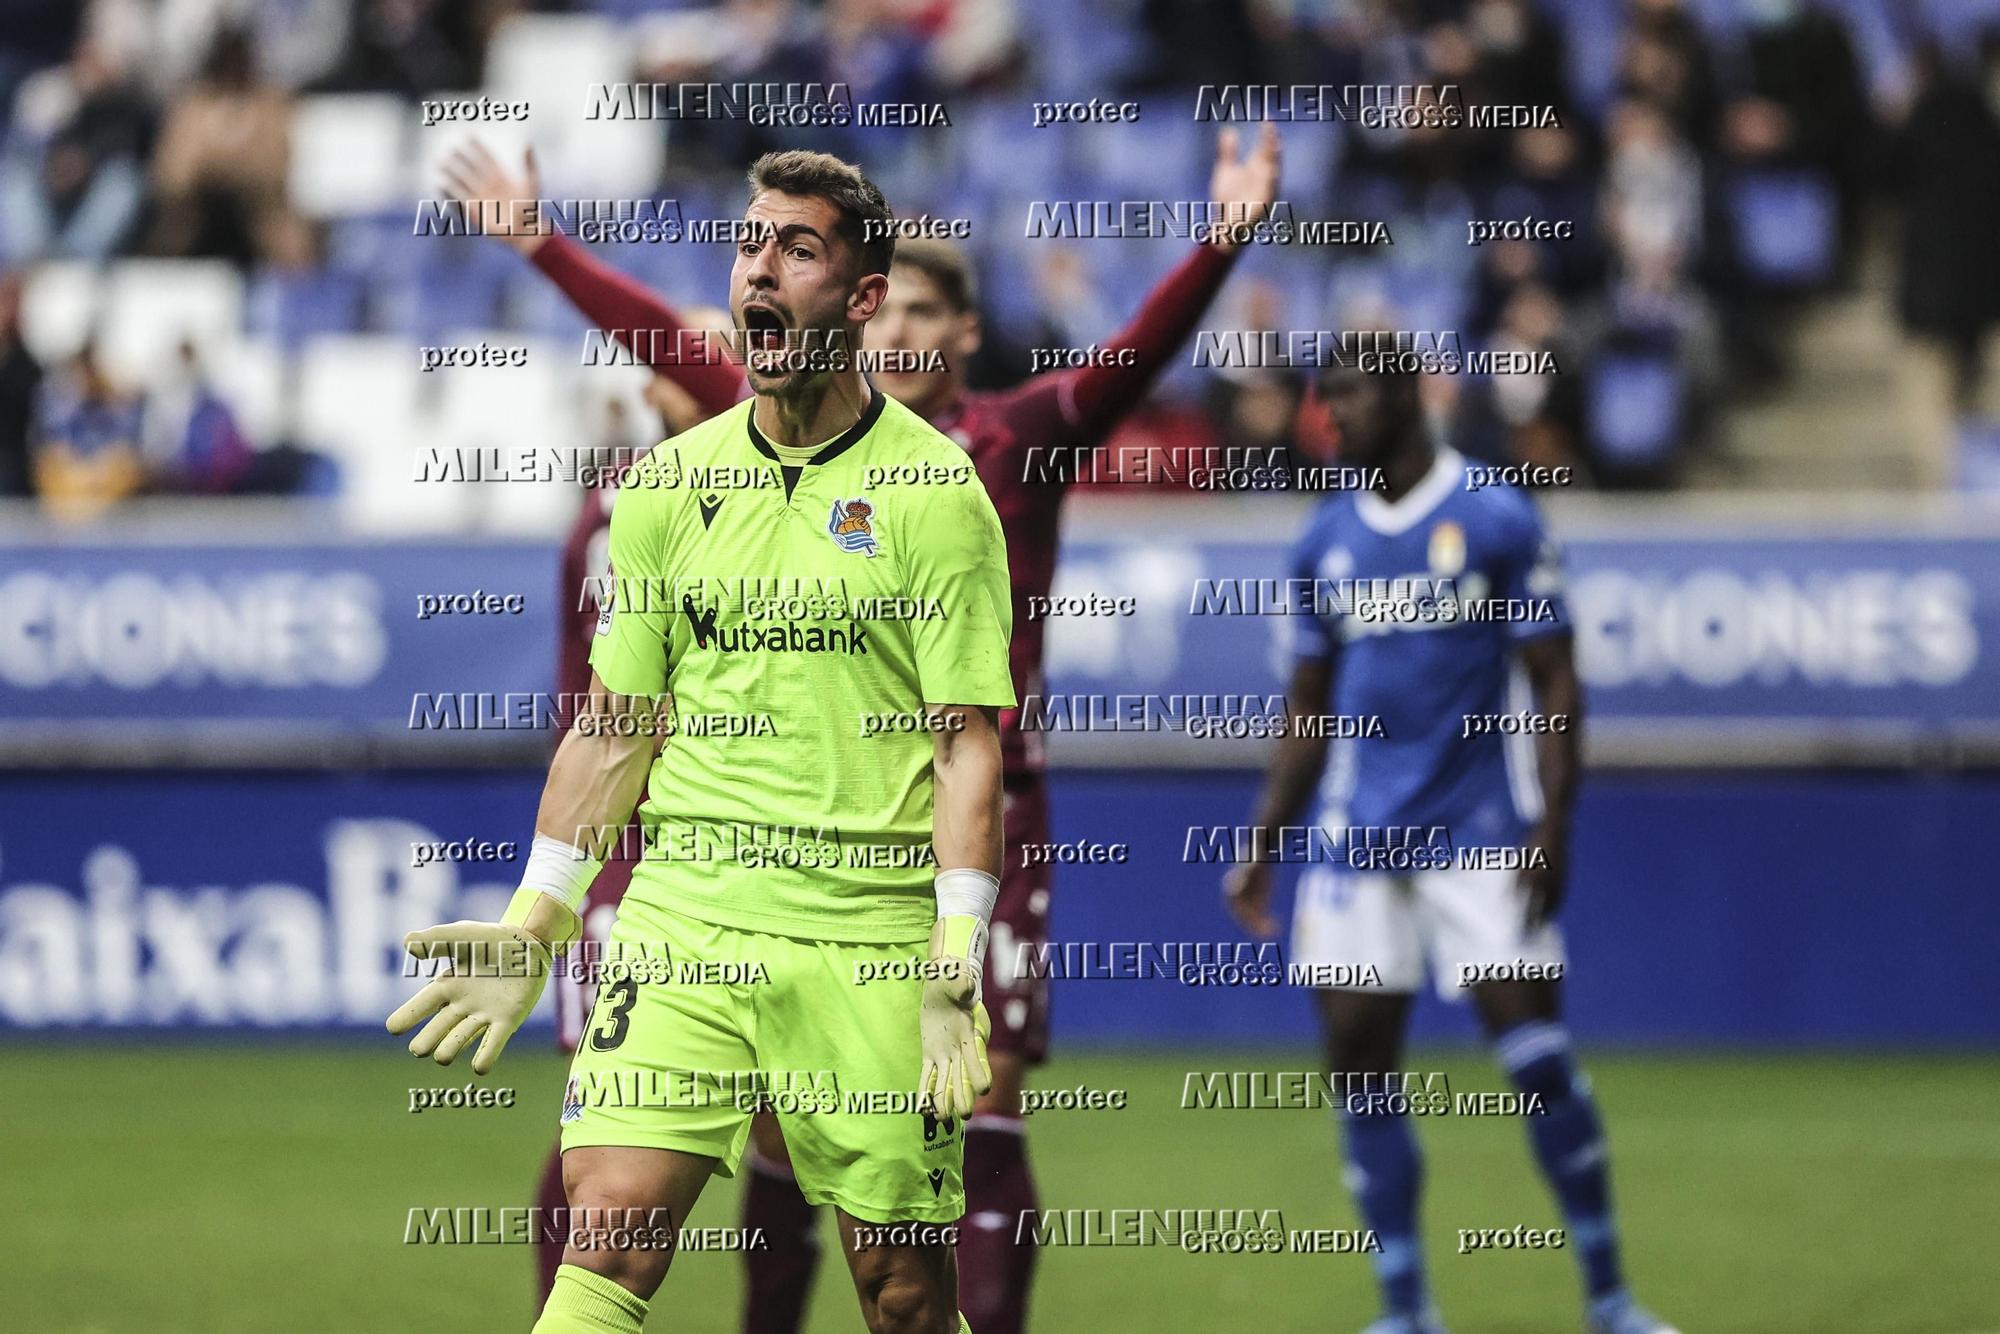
[703,622]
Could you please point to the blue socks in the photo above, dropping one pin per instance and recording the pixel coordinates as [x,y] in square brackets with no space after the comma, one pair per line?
[1384,1172]
[1569,1145]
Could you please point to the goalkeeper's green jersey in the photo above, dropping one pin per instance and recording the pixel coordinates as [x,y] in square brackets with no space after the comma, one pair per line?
[801,617]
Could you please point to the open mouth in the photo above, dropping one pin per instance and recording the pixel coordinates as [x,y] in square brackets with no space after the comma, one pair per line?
[763,329]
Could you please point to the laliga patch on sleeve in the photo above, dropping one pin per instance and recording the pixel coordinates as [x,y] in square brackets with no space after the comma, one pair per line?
[604,606]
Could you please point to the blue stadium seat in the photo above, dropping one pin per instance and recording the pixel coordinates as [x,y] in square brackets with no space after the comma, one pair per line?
[998,148]
[1352,287]
[1956,24]
[633,9]
[1720,19]
[292,307]
[373,243]
[1635,405]
[1093,44]
[533,306]
[1007,294]
[1164,155]
[458,283]
[684,273]
[1312,165]
[1979,456]
[1787,225]
[1426,300]
[1594,32]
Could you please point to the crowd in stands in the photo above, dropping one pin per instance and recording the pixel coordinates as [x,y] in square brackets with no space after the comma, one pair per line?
[1724,163]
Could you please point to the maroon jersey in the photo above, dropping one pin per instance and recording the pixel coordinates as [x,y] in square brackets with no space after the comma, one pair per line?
[1056,412]
[1024,442]
[586,557]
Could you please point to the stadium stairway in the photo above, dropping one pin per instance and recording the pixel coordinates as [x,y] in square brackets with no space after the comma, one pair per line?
[1864,407]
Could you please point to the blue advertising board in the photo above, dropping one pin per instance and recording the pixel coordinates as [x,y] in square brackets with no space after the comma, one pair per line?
[1751,908]
[1732,642]
[296,641]
[1736,640]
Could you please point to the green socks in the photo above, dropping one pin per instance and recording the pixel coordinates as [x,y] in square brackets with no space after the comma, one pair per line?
[587,1303]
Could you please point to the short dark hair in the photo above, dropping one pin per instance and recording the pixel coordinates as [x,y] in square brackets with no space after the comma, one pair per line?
[800,171]
[946,266]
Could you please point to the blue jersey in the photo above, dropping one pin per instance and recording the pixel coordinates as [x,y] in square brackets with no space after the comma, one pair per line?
[1421,604]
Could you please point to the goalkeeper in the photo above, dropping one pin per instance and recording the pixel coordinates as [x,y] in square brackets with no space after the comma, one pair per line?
[817,576]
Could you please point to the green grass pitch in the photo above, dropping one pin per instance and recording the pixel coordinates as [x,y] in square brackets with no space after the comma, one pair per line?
[151,1190]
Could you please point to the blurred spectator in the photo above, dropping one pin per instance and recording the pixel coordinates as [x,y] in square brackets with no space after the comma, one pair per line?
[20,377]
[36,34]
[1666,62]
[1947,169]
[1550,180]
[1255,408]
[875,48]
[87,432]
[973,43]
[1805,106]
[220,169]
[73,180]
[1654,377]
[296,41]
[1703,202]
[1527,416]
[192,443]
[751,42]
[1653,194]
[414,47]
[1071,311]
[1522,55]
[1191,42]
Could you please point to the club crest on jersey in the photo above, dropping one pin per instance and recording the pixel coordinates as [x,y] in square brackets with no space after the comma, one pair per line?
[1447,555]
[848,526]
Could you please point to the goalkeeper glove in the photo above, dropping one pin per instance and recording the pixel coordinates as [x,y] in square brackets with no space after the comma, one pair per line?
[494,974]
[951,1021]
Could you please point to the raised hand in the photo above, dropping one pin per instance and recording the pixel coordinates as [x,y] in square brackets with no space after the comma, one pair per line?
[499,202]
[1242,187]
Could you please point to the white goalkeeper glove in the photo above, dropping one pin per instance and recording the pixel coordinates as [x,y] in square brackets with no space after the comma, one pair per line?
[495,972]
[952,1021]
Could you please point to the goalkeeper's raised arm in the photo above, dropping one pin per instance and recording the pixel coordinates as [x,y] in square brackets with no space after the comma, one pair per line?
[502,201]
[497,970]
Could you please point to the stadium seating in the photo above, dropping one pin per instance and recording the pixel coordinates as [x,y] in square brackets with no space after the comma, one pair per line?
[1786,228]
[59,308]
[347,155]
[1634,409]
[294,306]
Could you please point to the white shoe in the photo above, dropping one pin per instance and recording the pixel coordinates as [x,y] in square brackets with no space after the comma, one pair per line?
[1621,1315]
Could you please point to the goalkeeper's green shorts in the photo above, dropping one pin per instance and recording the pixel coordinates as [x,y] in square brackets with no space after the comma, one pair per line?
[696,1026]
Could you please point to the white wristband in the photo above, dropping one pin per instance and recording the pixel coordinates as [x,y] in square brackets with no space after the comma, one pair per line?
[966,892]
[560,871]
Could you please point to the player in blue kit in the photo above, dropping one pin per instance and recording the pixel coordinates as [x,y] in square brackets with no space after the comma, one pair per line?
[1437,608]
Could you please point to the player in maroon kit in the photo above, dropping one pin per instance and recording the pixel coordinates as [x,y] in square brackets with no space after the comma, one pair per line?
[931,308]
